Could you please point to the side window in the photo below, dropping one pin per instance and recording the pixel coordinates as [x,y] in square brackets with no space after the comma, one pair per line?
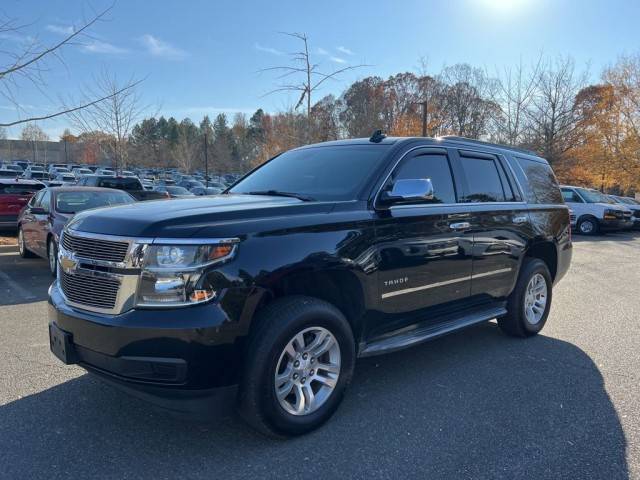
[542,182]
[483,180]
[434,167]
[35,200]
[46,200]
[570,196]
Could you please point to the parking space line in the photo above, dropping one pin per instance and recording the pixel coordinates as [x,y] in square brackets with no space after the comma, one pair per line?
[23,292]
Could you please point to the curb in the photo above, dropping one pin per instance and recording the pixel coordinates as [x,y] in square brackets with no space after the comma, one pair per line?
[9,248]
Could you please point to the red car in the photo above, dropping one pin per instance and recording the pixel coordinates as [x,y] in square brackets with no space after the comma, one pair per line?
[14,195]
[42,220]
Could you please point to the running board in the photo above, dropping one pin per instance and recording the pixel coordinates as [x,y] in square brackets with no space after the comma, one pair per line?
[421,333]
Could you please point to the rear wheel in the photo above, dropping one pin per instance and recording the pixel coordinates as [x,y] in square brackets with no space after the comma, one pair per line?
[22,247]
[300,359]
[529,303]
[588,226]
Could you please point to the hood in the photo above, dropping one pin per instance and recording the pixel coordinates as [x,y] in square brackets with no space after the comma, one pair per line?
[183,218]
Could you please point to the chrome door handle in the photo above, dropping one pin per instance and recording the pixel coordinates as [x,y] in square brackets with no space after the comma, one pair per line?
[459,226]
[519,219]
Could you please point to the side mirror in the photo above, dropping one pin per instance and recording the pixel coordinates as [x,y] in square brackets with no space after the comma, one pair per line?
[409,190]
[38,211]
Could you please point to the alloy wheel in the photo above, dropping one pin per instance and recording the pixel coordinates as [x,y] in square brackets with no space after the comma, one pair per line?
[587,227]
[307,371]
[535,299]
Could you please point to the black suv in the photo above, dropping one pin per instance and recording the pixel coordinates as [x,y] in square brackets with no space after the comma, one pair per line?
[263,297]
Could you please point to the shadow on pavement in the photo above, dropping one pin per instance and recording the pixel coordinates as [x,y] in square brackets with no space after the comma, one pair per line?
[23,280]
[473,405]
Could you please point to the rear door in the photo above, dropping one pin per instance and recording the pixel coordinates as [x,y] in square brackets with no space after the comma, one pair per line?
[424,247]
[500,223]
[41,225]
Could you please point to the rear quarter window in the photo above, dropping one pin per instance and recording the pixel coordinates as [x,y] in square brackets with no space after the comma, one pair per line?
[542,185]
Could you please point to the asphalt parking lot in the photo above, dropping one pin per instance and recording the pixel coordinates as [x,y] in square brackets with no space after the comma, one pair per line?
[476,404]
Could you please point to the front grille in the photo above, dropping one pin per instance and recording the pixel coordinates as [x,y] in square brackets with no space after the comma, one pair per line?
[96,292]
[572,217]
[95,249]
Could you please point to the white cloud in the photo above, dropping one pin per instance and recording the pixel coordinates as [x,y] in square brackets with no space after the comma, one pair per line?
[160,48]
[345,50]
[322,51]
[270,50]
[337,59]
[60,29]
[97,46]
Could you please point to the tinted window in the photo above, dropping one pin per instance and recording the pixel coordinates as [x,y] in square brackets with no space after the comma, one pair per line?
[570,196]
[323,173]
[543,186]
[434,167]
[19,189]
[594,196]
[483,180]
[121,183]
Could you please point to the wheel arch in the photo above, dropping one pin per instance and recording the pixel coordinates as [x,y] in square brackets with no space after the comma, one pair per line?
[547,251]
[339,287]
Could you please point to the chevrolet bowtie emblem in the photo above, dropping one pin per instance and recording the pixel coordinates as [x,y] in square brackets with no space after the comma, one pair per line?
[68,264]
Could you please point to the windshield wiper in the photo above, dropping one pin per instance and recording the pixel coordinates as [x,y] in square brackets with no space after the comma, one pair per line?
[277,193]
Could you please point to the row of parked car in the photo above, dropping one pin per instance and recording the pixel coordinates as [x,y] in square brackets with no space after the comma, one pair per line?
[38,202]
[169,181]
[593,212]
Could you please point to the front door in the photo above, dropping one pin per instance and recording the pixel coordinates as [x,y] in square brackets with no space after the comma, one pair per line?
[424,246]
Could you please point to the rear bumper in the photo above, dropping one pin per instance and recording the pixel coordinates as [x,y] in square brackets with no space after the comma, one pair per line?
[8,221]
[181,360]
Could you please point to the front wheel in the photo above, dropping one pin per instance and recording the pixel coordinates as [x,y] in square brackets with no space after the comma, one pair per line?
[22,246]
[300,359]
[529,303]
[588,226]
[52,251]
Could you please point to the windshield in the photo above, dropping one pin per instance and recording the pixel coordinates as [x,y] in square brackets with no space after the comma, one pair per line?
[628,201]
[8,174]
[177,190]
[594,196]
[19,188]
[38,174]
[321,173]
[121,183]
[74,202]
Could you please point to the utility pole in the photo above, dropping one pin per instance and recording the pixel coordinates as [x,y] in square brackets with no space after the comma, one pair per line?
[424,117]
[206,163]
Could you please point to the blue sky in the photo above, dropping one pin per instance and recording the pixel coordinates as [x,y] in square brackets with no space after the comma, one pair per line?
[204,57]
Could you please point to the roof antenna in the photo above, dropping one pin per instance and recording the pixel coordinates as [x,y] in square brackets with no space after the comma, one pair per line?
[377,136]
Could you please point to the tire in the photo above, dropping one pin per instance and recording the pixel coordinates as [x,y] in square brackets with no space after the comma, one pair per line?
[52,254]
[588,226]
[277,325]
[518,322]
[22,248]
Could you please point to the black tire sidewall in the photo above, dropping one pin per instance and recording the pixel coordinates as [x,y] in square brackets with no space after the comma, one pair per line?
[533,267]
[264,363]
[53,250]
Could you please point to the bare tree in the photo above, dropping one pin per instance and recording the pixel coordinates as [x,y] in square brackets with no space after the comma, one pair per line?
[114,116]
[552,114]
[310,75]
[516,89]
[31,61]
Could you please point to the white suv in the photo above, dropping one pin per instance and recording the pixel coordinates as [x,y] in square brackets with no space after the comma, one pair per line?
[594,211]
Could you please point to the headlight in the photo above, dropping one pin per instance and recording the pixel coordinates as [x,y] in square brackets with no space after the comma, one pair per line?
[172,274]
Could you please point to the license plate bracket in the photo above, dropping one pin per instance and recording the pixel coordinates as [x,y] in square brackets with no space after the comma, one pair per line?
[61,345]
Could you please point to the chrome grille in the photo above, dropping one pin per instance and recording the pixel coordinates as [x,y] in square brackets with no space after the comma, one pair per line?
[89,290]
[95,249]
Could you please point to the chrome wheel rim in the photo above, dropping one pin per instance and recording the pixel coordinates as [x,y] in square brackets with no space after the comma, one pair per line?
[52,257]
[586,226]
[535,299]
[307,371]
[21,241]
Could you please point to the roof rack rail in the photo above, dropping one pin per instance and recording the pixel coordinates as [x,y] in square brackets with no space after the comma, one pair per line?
[481,142]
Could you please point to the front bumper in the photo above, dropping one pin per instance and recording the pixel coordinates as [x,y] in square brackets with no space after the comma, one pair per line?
[179,359]
[610,225]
